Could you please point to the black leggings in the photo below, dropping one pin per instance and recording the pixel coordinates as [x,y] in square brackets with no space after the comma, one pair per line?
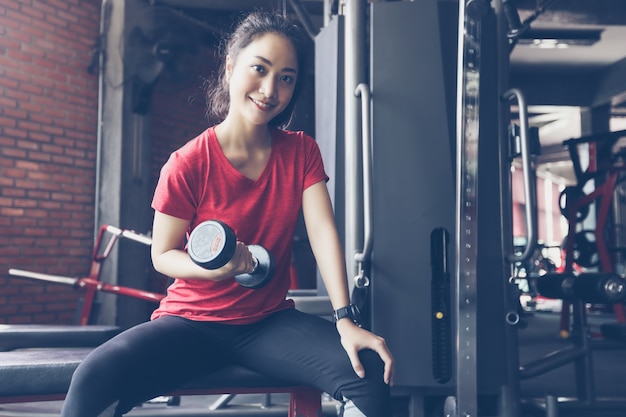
[156,357]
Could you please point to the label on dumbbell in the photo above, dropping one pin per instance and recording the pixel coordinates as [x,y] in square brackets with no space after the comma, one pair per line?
[207,242]
[212,244]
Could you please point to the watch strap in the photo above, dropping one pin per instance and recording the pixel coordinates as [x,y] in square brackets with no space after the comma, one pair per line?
[351,311]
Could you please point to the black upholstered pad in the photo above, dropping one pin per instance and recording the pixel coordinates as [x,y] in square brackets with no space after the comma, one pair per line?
[38,371]
[15,336]
[31,372]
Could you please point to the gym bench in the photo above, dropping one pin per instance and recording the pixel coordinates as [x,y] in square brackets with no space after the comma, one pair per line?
[44,374]
[37,363]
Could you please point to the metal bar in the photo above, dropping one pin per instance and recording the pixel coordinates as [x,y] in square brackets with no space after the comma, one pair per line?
[105,21]
[304,17]
[43,277]
[597,137]
[530,179]
[552,361]
[468,88]
[121,290]
[130,234]
[583,366]
[354,67]
[362,90]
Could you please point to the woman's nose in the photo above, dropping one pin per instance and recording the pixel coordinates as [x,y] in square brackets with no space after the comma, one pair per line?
[268,87]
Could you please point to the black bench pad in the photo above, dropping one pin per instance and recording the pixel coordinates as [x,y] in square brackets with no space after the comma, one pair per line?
[15,336]
[46,372]
[38,371]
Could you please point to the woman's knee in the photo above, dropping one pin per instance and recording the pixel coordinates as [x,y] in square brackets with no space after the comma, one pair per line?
[369,395]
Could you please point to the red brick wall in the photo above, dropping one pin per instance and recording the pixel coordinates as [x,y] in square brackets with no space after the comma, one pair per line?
[48,115]
[48,120]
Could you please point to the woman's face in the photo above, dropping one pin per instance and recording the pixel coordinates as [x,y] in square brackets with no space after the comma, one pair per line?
[262,78]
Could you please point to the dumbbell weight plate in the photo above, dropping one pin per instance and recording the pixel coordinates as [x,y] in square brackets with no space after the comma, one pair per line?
[585,249]
[263,271]
[569,196]
[212,244]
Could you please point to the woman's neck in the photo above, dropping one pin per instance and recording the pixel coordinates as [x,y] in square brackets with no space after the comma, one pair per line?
[247,151]
[230,133]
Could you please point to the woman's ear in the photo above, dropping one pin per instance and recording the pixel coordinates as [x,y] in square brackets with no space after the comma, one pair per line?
[228,68]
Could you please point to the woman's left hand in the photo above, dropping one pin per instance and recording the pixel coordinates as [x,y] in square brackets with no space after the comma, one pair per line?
[355,339]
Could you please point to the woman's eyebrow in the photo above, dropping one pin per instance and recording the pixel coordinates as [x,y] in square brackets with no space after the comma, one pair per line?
[268,62]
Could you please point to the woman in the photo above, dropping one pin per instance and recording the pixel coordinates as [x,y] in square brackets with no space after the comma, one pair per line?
[248,173]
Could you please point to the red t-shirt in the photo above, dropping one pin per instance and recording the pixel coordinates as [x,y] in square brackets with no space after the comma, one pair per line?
[198,183]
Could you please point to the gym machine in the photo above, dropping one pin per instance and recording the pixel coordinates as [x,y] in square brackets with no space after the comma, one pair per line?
[406,195]
[406,192]
[590,275]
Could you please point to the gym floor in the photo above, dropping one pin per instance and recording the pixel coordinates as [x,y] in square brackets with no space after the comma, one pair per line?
[538,338]
[541,337]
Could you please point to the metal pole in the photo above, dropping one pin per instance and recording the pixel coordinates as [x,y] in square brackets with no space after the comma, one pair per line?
[355,62]
[468,89]
[105,18]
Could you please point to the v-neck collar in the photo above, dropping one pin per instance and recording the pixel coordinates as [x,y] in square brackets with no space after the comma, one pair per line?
[226,162]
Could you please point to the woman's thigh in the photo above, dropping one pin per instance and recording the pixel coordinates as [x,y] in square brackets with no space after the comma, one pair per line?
[305,349]
[141,362]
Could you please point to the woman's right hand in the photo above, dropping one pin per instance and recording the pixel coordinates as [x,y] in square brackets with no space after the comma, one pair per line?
[242,261]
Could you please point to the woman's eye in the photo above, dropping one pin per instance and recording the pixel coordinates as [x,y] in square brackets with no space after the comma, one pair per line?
[287,78]
[258,68]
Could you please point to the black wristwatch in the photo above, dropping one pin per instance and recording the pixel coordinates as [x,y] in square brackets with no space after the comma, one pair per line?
[351,311]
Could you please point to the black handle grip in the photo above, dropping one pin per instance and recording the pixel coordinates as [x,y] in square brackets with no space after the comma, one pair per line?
[440,306]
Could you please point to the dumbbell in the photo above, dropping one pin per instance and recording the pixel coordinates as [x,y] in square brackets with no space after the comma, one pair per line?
[212,244]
